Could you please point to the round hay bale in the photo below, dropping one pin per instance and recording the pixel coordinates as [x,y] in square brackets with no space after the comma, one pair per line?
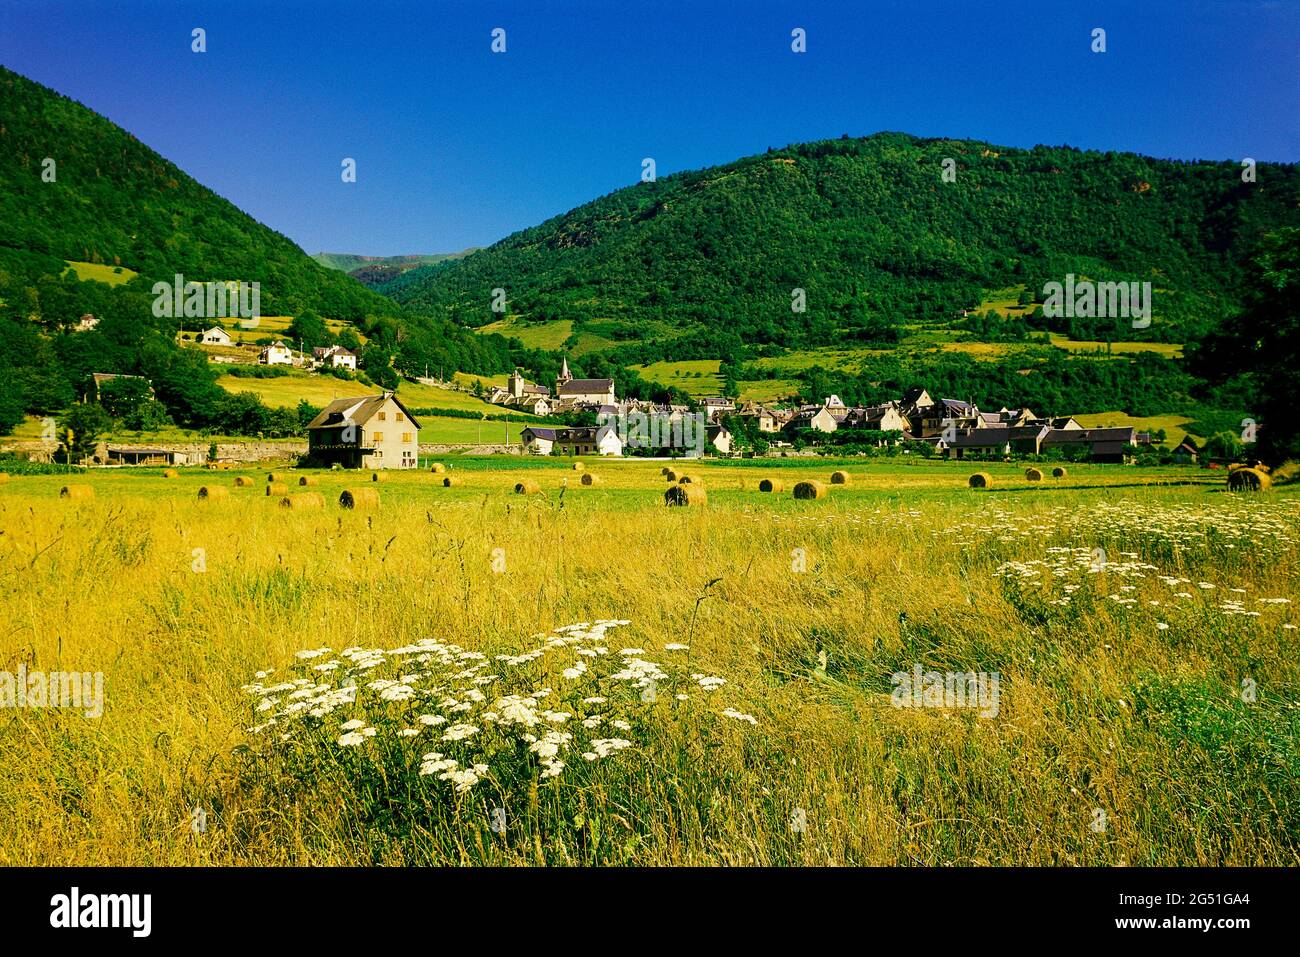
[243,481]
[686,495]
[665,470]
[578,466]
[1249,480]
[276,476]
[211,493]
[303,500]
[450,482]
[979,480]
[670,475]
[589,479]
[688,480]
[527,487]
[77,492]
[810,489]
[378,477]
[1059,472]
[171,473]
[771,485]
[277,488]
[359,498]
[1033,475]
[437,467]
[839,478]
[309,480]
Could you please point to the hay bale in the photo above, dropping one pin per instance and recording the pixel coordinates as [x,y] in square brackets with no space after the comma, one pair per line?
[578,466]
[437,467]
[1059,472]
[243,481]
[211,493]
[378,477]
[171,473]
[276,477]
[589,479]
[1249,480]
[450,482]
[303,500]
[1033,475]
[686,495]
[277,488]
[308,480]
[77,492]
[839,478]
[359,498]
[771,485]
[688,480]
[979,480]
[527,487]
[670,475]
[665,470]
[810,489]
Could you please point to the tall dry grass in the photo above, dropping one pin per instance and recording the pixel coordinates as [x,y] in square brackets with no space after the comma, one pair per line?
[180,604]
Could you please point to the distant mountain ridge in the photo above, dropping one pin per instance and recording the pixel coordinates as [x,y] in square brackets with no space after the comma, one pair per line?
[372,271]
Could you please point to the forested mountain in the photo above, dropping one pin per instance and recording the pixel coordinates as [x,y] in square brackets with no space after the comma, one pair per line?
[704,262]
[76,188]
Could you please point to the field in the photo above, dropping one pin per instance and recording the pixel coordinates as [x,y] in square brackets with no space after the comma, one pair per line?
[1140,623]
[100,272]
[321,390]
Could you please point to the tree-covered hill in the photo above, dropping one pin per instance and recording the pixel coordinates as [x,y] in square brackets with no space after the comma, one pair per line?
[108,200]
[876,238]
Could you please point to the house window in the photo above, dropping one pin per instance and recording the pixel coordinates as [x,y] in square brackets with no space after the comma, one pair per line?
[406,436]
[401,417]
[379,436]
[383,416]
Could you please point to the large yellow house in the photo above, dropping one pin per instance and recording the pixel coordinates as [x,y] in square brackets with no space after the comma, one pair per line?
[365,432]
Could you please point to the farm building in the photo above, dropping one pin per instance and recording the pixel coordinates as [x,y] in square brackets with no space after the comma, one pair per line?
[1187,452]
[216,336]
[141,455]
[366,432]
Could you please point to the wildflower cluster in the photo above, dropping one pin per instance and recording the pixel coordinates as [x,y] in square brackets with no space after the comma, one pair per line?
[461,717]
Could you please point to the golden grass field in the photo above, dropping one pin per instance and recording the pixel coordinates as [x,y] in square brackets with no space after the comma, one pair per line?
[805,608]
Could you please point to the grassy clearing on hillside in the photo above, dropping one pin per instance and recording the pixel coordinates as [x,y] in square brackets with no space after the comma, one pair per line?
[1172,424]
[101,272]
[320,390]
[1172,350]
[1120,688]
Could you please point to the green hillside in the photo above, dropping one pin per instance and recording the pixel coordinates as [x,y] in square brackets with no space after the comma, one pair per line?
[909,279]
[874,236]
[92,233]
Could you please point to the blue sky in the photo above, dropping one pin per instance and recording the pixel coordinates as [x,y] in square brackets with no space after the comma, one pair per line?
[458,146]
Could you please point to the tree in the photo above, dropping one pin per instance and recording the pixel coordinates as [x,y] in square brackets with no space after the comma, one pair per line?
[1259,350]
[87,421]
[309,329]
[122,396]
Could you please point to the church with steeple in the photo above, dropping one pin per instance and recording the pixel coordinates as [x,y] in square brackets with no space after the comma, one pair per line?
[577,393]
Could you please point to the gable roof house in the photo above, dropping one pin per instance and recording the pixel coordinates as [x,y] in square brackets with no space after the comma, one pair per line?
[216,336]
[1105,445]
[276,354]
[588,440]
[369,432]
